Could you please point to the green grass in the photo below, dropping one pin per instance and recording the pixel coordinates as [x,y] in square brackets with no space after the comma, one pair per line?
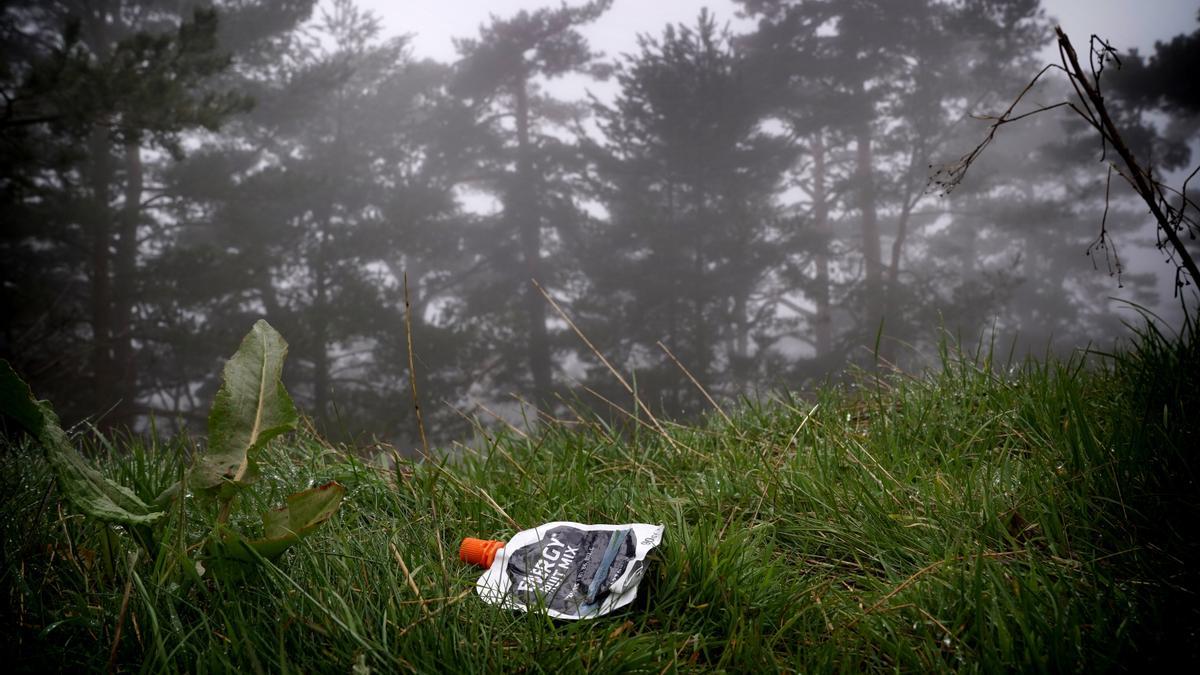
[976,518]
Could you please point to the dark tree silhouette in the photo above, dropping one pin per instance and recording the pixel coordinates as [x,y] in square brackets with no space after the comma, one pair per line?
[498,71]
[82,106]
[688,174]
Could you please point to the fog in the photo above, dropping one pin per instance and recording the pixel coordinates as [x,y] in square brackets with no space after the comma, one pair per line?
[563,204]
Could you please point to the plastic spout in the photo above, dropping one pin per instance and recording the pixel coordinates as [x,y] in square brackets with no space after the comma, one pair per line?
[481,552]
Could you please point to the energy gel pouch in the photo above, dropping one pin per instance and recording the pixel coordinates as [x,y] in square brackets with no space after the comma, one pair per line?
[568,570]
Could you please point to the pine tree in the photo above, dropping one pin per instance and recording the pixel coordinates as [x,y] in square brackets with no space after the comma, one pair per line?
[95,90]
[313,209]
[498,75]
[878,94]
[689,178]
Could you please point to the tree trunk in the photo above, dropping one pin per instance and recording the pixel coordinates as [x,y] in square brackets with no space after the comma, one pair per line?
[699,326]
[824,320]
[872,255]
[675,320]
[524,211]
[321,378]
[99,225]
[100,179]
[125,286]
[741,342]
[702,223]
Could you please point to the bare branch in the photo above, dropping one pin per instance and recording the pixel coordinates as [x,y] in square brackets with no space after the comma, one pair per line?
[947,177]
[1104,242]
[1091,108]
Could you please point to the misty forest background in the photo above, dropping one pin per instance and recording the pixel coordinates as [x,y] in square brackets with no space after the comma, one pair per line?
[759,203]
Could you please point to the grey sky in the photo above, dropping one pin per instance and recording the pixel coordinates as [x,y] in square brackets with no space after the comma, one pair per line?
[1127,23]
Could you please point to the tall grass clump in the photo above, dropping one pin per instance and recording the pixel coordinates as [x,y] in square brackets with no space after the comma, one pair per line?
[978,517]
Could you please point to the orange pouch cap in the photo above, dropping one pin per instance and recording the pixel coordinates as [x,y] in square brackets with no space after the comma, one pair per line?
[480,552]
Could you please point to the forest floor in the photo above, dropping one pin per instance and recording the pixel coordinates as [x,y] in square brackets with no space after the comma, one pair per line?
[973,518]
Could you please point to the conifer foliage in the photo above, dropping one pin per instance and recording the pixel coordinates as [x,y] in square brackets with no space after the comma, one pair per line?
[721,213]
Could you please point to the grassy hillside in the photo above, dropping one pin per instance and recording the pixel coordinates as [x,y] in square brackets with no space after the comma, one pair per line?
[977,518]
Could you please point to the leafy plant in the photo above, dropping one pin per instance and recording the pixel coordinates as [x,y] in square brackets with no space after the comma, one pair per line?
[251,408]
[82,485]
[282,527]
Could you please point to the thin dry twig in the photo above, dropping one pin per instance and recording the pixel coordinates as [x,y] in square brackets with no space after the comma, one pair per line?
[617,374]
[950,176]
[696,382]
[408,577]
[483,493]
[922,572]
[1142,181]
[412,370]
[112,654]
[429,615]
[503,420]
[412,378]
[1103,241]
[1090,106]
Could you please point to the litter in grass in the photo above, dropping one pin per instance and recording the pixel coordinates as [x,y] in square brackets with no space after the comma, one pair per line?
[567,570]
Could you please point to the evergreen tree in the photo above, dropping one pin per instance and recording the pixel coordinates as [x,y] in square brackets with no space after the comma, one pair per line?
[689,182]
[95,91]
[315,206]
[498,75]
[911,74]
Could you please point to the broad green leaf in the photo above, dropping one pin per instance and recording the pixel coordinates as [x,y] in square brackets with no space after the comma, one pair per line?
[283,527]
[83,486]
[251,408]
[168,495]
